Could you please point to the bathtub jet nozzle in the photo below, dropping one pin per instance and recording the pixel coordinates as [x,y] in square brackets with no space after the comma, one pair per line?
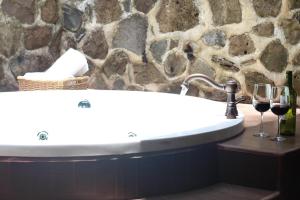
[84,104]
[43,135]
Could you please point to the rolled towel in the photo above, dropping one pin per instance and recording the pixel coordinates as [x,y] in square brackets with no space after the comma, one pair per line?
[71,63]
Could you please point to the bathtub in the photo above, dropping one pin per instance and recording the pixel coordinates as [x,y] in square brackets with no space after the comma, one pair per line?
[117,122]
[93,144]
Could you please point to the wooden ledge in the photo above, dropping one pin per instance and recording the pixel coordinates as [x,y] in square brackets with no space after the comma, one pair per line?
[246,142]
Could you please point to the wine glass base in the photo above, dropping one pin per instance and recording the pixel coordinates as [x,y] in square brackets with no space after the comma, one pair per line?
[262,135]
[278,139]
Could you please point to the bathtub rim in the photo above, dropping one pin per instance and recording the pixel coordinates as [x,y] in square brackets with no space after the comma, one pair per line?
[160,144]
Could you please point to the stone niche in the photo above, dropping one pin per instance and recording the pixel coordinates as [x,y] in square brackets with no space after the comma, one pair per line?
[154,44]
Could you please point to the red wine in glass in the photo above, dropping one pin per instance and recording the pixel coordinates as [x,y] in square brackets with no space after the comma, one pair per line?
[261,103]
[279,109]
[280,105]
[261,106]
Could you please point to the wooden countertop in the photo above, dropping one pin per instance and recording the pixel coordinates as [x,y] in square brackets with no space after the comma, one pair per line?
[247,142]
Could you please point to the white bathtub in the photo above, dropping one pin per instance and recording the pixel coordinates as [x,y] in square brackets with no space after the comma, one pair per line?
[118,122]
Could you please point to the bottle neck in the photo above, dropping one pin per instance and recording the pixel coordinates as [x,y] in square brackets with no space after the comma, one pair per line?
[289,78]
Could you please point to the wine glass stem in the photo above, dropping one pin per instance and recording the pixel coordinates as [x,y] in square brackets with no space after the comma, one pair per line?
[261,129]
[278,127]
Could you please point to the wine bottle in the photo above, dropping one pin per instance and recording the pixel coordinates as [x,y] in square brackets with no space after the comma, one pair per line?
[288,121]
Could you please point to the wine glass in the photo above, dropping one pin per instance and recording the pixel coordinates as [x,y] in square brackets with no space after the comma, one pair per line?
[280,104]
[261,102]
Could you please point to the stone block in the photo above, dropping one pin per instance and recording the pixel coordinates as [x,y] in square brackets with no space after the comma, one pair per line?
[275,57]
[107,11]
[95,44]
[216,95]
[68,42]
[131,34]
[226,11]
[29,62]
[294,4]
[10,37]
[291,29]
[296,59]
[250,61]
[214,38]
[49,11]
[255,77]
[265,29]
[296,16]
[116,63]
[127,5]
[175,64]
[37,37]
[241,45]
[173,44]
[174,87]
[72,18]
[144,5]
[158,49]
[146,74]
[7,80]
[97,82]
[119,84]
[200,66]
[225,63]
[177,15]
[267,8]
[23,10]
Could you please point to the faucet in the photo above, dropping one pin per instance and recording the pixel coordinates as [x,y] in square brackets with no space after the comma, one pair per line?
[230,88]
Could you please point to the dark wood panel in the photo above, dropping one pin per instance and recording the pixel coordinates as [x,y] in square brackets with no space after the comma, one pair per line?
[290,176]
[118,177]
[248,169]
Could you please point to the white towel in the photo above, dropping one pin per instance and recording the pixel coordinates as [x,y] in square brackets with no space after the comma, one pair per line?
[71,63]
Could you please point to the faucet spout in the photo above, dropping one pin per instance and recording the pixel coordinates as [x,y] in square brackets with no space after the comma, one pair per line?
[204,78]
[230,88]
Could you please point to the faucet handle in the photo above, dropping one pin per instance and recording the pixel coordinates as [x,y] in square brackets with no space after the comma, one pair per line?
[231,86]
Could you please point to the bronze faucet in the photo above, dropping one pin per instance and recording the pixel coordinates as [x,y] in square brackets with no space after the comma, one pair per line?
[230,88]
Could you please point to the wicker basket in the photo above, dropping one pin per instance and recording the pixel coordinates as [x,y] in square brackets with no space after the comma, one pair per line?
[76,83]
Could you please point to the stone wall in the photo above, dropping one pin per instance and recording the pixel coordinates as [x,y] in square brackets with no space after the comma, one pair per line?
[152,45]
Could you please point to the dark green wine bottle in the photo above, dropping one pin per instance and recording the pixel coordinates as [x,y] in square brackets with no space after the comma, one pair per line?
[288,122]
